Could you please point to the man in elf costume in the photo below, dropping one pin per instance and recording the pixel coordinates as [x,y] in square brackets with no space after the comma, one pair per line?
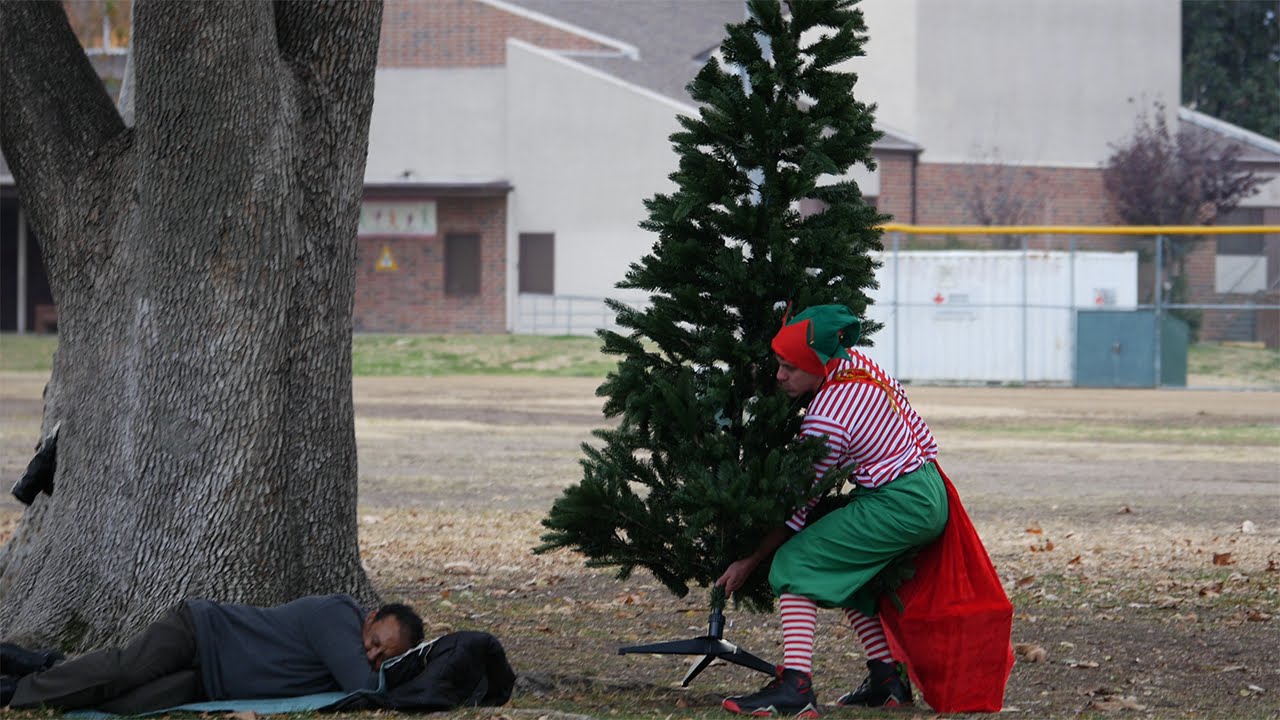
[899,504]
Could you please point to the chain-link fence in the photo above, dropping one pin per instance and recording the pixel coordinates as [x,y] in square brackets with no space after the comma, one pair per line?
[1084,306]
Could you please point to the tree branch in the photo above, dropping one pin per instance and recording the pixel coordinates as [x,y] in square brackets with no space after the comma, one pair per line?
[207,81]
[324,36]
[54,111]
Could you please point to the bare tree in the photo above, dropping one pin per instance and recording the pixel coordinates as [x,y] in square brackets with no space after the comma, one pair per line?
[995,193]
[1158,177]
[203,265]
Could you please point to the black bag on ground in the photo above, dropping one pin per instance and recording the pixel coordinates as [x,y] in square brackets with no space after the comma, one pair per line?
[461,669]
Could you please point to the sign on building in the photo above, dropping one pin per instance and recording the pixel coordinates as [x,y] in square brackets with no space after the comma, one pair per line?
[397,217]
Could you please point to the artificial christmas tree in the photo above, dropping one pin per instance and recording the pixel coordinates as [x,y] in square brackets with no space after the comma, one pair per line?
[703,460]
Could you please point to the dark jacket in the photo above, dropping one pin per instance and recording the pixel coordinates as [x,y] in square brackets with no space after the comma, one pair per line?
[458,669]
[310,645]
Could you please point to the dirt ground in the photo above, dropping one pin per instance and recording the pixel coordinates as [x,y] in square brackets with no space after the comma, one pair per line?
[1143,559]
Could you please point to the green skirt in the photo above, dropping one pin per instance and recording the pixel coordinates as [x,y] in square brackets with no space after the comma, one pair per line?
[834,560]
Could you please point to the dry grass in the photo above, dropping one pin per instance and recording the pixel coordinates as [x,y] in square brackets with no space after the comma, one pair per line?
[1121,539]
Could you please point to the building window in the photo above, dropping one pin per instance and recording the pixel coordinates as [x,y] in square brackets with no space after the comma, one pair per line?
[537,263]
[1241,260]
[462,265]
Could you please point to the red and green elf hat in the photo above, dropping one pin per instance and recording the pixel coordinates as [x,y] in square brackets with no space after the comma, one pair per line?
[814,337]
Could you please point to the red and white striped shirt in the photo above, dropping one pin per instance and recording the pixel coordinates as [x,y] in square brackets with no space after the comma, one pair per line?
[881,436]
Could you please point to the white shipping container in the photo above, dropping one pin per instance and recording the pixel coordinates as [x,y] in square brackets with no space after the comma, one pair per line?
[992,316]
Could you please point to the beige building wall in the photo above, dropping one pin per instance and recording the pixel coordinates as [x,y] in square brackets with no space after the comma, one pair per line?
[1042,82]
[572,175]
[887,74]
[438,125]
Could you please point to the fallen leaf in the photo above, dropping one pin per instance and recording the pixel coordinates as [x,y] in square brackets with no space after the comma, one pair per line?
[1258,616]
[1028,652]
[1074,561]
[1026,581]
[1272,566]
[1035,529]
[1222,559]
[1124,509]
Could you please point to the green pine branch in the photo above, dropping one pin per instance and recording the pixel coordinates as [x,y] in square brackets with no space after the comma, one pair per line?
[703,460]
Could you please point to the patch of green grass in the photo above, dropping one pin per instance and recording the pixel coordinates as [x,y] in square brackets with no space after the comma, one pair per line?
[409,355]
[1254,366]
[1243,434]
[504,354]
[405,355]
[27,352]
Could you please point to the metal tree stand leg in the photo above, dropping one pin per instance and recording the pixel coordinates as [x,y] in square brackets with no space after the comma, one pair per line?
[711,646]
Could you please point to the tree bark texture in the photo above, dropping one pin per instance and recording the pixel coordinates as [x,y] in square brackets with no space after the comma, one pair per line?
[203,265]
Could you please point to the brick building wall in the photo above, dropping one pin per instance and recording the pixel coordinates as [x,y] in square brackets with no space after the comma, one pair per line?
[463,33]
[1049,195]
[945,193]
[895,185]
[1070,196]
[412,297]
[1248,325]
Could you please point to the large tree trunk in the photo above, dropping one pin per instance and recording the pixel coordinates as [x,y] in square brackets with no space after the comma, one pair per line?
[203,266]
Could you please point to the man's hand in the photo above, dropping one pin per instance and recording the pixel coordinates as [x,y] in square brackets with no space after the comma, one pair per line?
[735,576]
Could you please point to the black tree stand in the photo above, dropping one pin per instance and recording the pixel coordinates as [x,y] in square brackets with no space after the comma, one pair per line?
[711,647]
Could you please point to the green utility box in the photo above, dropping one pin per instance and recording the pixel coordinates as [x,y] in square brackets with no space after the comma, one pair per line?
[1116,348]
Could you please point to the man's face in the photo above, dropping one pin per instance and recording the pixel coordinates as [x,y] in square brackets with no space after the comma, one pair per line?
[794,381]
[383,639]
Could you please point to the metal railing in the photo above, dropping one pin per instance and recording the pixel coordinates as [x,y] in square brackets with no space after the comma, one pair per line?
[1159,237]
[538,314]
[1019,325]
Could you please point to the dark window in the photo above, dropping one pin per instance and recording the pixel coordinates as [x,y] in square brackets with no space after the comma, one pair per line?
[538,263]
[462,265]
[1251,244]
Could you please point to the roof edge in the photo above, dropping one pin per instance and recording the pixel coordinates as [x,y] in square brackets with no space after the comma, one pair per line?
[440,187]
[559,57]
[627,49]
[1235,132]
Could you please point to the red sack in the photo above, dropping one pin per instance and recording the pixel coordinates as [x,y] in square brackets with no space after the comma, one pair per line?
[954,628]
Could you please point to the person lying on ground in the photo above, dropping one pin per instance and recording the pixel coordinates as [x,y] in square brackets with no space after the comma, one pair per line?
[203,650]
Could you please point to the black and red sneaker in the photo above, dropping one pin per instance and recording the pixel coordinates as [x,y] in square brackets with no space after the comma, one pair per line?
[885,686]
[791,694]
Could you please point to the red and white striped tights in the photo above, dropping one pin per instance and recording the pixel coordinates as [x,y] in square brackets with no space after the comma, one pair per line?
[800,621]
